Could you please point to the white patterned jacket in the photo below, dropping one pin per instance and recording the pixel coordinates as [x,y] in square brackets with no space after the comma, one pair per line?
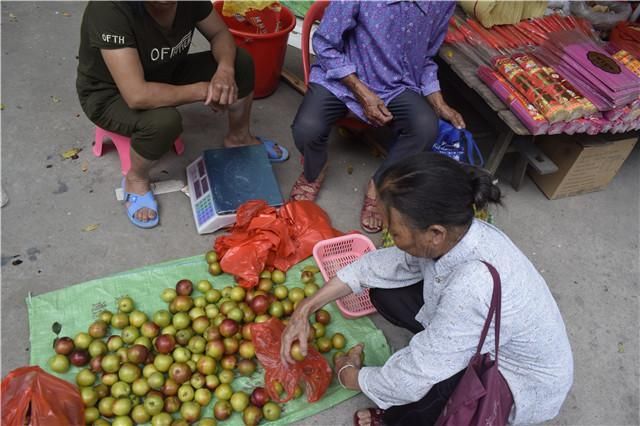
[535,355]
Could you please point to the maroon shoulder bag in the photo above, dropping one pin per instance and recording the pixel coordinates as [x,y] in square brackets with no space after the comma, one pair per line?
[482,396]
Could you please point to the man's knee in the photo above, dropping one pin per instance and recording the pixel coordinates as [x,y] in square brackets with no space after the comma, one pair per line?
[245,73]
[163,121]
[156,133]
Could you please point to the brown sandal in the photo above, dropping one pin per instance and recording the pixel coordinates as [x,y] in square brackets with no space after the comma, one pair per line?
[304,190]
[376,417]
[369,211]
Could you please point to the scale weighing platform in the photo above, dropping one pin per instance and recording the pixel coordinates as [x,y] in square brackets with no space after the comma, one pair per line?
[220,180]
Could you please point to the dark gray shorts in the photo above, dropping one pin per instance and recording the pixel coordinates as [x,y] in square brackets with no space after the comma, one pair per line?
[154,131]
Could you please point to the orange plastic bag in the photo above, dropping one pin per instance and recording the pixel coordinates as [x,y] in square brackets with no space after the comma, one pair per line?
[314,370]
[31,396]
[265,237]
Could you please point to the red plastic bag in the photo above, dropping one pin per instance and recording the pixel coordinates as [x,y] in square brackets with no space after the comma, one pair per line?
[314,370]
[265,237]
[31,396]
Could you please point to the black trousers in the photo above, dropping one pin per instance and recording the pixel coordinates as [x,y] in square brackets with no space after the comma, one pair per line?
[399,307]
[414,125]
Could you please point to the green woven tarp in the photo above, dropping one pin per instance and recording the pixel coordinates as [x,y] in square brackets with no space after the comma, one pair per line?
[76,307]
[298,7]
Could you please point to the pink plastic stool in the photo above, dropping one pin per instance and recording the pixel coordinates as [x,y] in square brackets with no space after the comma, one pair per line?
[123,144]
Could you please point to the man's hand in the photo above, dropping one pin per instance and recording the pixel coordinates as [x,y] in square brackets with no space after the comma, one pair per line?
[222,90]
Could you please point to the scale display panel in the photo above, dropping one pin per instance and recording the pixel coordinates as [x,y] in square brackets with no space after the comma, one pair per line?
[220,180]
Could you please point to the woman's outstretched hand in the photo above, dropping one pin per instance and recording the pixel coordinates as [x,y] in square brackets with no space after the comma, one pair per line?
[297,330]
[298,327]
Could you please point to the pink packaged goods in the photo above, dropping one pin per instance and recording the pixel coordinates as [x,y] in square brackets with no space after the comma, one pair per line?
[556,128]
[596,74]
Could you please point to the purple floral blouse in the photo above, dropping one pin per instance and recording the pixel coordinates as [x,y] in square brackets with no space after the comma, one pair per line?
[389,45]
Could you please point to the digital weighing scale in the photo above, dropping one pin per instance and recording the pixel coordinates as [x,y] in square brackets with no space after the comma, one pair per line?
[220,180]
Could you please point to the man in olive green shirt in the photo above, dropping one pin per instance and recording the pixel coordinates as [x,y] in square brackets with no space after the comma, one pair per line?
[134,69]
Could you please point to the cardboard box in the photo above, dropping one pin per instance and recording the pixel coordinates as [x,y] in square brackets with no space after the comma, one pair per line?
[585,164]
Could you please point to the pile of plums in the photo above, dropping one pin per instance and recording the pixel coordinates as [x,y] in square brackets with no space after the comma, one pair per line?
[166,368]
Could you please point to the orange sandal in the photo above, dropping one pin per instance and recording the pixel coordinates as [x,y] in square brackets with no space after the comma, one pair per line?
[370,211]
[304,190]
[376,417]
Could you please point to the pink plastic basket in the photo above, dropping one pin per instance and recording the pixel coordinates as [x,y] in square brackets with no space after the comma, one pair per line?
[335,253]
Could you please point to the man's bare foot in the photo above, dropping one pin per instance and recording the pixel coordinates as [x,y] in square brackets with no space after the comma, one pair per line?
[139,186]
[231,142]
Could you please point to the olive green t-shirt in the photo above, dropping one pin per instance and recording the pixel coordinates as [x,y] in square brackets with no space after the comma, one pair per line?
[116,25]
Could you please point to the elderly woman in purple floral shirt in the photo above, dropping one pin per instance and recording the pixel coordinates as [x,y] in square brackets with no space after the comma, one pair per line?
[375,59]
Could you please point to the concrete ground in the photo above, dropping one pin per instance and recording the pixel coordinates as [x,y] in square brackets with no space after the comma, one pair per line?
[585,246]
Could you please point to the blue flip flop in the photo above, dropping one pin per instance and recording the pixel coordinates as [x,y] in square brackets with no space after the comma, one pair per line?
[138,202]
[270,147]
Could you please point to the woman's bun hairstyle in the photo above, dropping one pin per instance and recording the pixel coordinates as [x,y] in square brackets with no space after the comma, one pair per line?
[430,188]
[484,190]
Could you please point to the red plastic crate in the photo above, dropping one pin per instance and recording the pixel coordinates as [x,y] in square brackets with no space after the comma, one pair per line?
[335,253]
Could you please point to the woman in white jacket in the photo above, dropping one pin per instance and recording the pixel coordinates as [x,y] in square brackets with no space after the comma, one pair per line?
[435,284]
